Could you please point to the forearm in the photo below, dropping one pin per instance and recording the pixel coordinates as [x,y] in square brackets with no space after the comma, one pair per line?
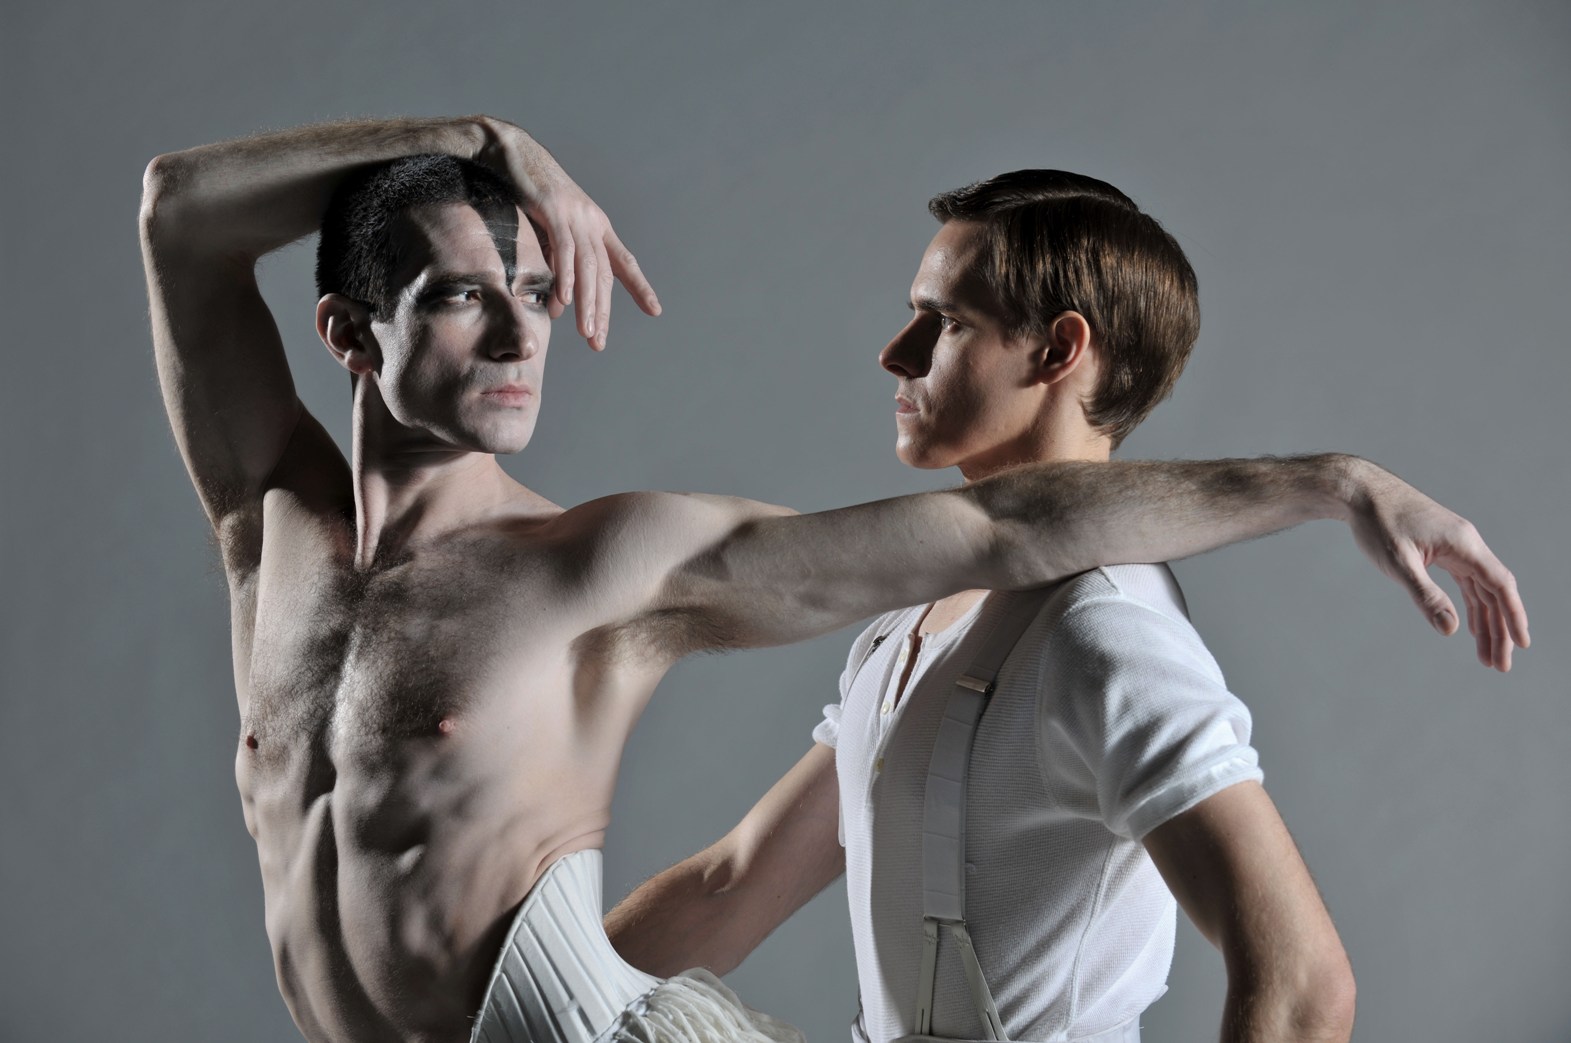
[1056,520]
[252,195]
[717,906]
[691,915]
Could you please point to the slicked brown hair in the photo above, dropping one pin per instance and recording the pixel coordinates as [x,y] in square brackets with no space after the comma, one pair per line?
[1057,242]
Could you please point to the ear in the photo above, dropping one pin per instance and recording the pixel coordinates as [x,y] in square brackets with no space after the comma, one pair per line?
[344,324]
[1065,348]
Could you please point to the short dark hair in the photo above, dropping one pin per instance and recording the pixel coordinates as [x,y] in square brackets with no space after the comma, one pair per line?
[359,249]
[1058,242]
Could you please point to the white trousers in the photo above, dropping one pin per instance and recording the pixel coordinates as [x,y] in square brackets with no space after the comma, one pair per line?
[1128,1032]
[558,980]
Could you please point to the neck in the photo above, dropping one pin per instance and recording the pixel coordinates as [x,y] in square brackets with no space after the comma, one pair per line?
[1084,444]
[409,488]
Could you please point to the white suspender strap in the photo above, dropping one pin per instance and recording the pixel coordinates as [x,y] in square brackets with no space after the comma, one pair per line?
[943,813]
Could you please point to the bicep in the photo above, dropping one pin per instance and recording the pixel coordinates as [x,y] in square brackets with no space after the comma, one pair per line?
[1234,868]
[221,367]
[768,577]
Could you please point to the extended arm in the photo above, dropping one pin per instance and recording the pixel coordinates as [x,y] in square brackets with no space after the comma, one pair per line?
[773,579]
[1233,867]
[714,908]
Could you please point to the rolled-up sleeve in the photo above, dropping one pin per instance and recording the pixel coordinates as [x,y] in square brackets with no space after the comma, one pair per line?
[1145,709]
[828,730]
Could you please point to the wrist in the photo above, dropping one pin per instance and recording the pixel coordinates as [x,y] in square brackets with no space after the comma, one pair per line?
[1347,484]
[475,136]
[508,149]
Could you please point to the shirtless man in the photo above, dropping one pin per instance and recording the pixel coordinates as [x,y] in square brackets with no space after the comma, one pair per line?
[437,669]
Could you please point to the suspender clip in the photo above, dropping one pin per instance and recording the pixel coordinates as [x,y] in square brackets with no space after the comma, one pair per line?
[976,684]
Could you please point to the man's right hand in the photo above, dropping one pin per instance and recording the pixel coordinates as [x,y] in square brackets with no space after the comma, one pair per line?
[584,252]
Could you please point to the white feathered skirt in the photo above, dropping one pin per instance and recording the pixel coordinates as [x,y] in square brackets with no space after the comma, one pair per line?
[558,980]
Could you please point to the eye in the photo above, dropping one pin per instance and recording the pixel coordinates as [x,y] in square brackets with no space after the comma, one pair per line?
[463,296]
[534,298]
[946,323]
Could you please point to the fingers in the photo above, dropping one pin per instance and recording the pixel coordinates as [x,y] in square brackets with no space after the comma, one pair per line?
[1515,611]
[588,289]
[1502,619]
[563,251]
[587,259]
[625,265]
[1430,599]
[603,305]
[1477,624]
[1501,638]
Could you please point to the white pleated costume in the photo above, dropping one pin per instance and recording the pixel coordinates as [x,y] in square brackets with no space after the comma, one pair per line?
[558,980]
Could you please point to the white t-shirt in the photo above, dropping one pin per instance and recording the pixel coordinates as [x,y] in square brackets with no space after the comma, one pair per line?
[1110,717]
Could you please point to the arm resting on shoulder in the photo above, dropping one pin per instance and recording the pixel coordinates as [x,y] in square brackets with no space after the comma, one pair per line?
[772,579]
[714,908]
[1233,867]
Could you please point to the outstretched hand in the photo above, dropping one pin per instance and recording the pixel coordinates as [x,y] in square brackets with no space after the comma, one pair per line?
[1404,532]
[584,252]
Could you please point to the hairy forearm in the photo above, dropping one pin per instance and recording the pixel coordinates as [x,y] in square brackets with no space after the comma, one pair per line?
[1057,520]
[688,916]
[252,195]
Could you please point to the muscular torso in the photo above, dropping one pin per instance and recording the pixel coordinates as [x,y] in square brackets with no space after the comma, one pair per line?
[419,741]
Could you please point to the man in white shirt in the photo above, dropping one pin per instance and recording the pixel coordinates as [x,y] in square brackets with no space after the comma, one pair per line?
[1111,770]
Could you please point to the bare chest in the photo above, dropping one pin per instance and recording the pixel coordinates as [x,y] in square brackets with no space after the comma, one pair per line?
[342,659]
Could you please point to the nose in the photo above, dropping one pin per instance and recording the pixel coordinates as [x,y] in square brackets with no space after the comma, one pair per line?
[513,338]
[910,354]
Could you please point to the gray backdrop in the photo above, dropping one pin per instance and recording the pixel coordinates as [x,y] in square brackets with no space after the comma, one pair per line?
[1375,202]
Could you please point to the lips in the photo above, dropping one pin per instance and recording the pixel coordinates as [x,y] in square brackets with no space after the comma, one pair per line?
[508,394]
[904,406]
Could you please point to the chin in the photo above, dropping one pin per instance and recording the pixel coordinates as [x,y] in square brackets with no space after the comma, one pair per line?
[924,458]
[498,435]
[505,445]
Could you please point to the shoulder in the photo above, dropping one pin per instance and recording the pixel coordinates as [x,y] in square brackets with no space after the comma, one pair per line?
[1117,619]
[627,550]
[1150,587]
[667,517]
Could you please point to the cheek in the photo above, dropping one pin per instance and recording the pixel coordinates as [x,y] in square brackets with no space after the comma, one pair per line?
[956,397]
[420,381]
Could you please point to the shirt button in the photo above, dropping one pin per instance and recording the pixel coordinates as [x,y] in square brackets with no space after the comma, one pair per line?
[905,654]
[878,765]
[886,707]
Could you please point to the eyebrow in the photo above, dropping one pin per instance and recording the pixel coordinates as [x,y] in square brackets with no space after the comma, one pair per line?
[532,278]
[925,302]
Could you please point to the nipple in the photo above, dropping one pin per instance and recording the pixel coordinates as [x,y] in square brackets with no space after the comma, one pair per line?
[446,726]
[250,741]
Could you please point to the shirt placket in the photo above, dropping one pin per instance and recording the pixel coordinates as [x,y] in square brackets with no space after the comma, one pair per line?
[921,656]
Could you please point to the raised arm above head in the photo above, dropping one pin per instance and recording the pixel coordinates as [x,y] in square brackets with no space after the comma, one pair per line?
[209,213]
[772,579]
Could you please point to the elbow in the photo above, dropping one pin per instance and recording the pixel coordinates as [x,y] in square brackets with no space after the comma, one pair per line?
[1326,1008]
[160,184]
[723,868]
[157,180]
[1321,1005]
[1309,1000]
[1018,558]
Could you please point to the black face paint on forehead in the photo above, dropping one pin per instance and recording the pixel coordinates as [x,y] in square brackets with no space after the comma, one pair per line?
[502,223]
